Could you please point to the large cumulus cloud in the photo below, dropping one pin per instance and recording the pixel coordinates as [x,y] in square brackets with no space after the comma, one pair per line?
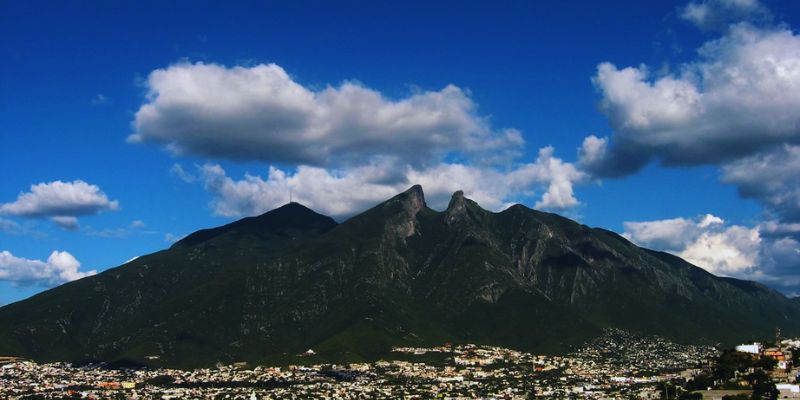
[261,113]
[740,97]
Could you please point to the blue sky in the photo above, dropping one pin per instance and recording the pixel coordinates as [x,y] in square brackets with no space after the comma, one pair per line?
[248,86]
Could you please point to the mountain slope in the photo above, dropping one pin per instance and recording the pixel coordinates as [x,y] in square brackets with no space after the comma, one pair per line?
[266,288]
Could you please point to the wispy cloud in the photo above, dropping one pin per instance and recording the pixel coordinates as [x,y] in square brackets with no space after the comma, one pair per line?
[135,227]
[100,99]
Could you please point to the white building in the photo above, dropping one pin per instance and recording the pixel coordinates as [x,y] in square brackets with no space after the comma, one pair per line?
[788,390]
[754,348]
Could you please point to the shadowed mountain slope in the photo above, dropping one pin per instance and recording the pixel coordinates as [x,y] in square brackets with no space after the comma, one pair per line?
[266,288]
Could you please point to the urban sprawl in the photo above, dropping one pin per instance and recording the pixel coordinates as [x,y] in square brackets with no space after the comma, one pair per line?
[617,365]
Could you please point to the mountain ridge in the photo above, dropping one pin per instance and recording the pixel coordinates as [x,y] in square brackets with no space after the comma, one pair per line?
[266,288]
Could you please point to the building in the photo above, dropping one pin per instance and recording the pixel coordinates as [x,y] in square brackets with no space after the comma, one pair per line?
[788,391]
[754,348]
[775,353]
[783,357]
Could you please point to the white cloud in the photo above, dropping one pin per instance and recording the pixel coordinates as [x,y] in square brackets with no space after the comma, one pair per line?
[558,175]
[736,106]
[592,152]
[100,99]
[344,147]
[336,193]
[169,238]
[768,252]
[778,228]
[783,256]
[346,191]
[59,268]
[666,234]
[709,220]
[14,228]
[719,14]
[261,113]
[65,222]
[178,171]
[60,199]
[548,176]
[113,233]
[136,227]
[9,226]
[740,97]
[772,177]
[733,251]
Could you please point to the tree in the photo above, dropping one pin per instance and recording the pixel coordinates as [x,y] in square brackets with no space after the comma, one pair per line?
[763,388]
[699,382]
[767,363]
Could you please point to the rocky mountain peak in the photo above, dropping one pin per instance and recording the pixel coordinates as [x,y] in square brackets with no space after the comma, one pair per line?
[457,208]
[413,199]
[404,207]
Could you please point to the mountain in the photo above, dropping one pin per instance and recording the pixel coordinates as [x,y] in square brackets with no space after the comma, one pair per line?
[266,288]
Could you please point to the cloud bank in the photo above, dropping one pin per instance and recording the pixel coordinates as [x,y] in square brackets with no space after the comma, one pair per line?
[60,267]
[342,193]
[737,107]
[768,252]
[341,148]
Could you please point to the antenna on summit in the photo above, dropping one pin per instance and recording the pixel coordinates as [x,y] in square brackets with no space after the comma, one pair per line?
[290,196]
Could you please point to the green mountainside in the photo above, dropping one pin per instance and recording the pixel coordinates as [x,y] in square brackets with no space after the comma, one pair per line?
[266,288]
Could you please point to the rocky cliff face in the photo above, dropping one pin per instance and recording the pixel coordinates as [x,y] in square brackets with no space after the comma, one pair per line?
[266,288]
